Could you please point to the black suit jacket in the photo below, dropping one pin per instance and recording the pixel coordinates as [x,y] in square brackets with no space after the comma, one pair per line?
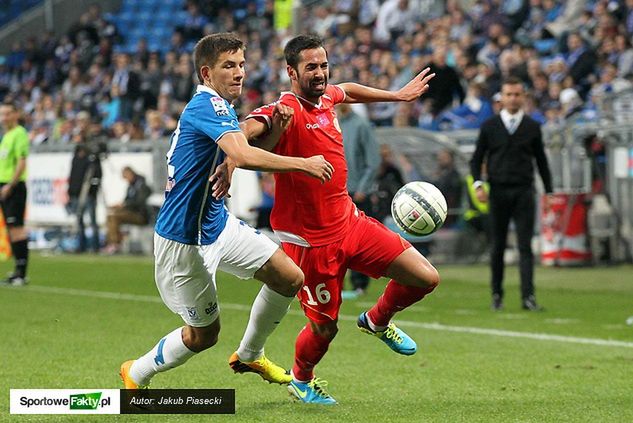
[510,157]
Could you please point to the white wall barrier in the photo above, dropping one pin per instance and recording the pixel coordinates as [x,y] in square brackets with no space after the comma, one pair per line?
[48,186]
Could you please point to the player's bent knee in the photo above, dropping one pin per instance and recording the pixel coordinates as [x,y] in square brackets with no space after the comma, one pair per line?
[429,278]
[296,281]
[292,278]
[433,279]
[325,330]
[200,339]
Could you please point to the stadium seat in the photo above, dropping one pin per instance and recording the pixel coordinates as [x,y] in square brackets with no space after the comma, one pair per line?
[129,6]
[126,17]
[180,17]
[149,5]
[145,18]
[173,4]
[545,46]
[163,17]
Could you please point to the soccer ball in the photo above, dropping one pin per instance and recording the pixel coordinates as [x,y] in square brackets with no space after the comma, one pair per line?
[419,208]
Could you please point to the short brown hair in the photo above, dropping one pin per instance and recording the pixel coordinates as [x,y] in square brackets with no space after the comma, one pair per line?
[10,104]
[512,80]
[209,48]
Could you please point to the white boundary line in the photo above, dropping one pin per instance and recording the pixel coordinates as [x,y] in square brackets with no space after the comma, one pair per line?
[403,323]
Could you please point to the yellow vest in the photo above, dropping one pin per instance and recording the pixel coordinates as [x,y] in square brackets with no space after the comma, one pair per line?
[475,207]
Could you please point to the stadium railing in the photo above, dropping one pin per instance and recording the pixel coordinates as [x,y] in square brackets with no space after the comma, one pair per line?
[575,166]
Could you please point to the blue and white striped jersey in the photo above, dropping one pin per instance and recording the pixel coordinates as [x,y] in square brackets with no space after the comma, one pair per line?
[190,214]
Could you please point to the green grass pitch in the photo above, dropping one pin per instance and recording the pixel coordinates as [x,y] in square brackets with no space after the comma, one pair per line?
[81,316]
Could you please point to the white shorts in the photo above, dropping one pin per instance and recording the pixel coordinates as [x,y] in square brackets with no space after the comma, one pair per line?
[185,274]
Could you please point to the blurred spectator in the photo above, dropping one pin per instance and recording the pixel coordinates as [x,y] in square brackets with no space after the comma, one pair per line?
[363,160]
[445,87]
[74,88]
[394,18]
[387,41]
[128,84]
[388,181]
[448,180]
[134,209]
[570,102]
[265,207]
[567,19]
[382,114]
[476,215]
[470,115]
[195,22]
[580,60]
[155,129]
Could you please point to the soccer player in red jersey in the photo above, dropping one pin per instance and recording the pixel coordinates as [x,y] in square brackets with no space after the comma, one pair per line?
[318,224]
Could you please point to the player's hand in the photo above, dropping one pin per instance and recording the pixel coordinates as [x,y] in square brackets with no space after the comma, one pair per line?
[221,180]
[481,194]
[6,192]
[417,86]
[318,167]
[547,202]
[282,116]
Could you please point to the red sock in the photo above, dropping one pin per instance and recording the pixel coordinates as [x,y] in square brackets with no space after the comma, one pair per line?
[309,350]
[395,298]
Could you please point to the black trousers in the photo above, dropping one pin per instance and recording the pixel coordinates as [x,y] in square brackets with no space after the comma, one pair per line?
[516,203]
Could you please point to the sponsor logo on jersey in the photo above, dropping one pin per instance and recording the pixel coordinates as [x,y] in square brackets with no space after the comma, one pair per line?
[219,106]
[312,126]
[212,307]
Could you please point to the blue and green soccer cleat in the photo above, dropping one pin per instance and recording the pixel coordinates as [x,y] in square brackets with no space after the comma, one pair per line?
[312,392]
[394,337]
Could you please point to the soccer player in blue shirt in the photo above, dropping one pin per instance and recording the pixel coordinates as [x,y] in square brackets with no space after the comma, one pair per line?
[195,234]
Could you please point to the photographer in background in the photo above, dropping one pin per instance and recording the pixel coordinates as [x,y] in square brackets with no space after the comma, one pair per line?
[133,210]
[83,186]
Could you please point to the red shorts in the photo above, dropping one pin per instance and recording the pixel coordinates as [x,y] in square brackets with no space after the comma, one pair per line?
[368,247]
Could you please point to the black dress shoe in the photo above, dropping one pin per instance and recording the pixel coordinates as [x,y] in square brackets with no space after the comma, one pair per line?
[497,303]
[530,304]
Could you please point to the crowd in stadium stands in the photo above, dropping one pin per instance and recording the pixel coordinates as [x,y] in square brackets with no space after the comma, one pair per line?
[569,53]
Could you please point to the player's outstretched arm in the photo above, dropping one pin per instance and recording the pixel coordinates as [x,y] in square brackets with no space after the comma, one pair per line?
[260,135]
[357,93]
[235,146]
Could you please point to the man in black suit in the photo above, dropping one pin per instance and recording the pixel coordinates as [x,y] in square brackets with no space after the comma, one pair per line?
[510,142]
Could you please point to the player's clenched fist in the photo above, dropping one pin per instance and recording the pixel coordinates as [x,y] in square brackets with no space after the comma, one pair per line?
[282,115]
[318,167]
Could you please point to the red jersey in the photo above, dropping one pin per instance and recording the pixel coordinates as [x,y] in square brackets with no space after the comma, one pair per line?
[307,212]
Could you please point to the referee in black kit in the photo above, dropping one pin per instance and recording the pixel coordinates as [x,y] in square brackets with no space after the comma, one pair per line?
[510,143]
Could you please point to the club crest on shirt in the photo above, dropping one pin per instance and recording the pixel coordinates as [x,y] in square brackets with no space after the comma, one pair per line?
[219,106]
[192,313]
[323,120]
